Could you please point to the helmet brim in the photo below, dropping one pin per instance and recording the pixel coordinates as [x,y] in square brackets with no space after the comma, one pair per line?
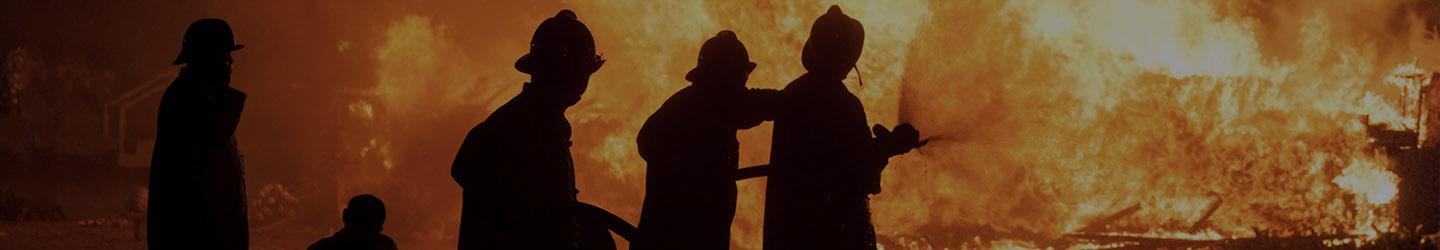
[526,64]
[180,59]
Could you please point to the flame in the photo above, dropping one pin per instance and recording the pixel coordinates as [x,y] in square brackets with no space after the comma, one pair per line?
[1044,116]
[1090,107]
[1368,180]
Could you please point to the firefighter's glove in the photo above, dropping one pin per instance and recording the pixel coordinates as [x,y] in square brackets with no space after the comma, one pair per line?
[903,139]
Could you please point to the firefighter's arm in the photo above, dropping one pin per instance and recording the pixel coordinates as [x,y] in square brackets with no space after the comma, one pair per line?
[229,104]
[185,124]
[752,172]
[875,155]
[459,168]
[759,105]
[593,214]
[211,114]
[900,141]
[186,115]
[470,160]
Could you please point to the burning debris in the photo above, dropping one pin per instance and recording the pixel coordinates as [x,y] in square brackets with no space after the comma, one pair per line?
[1408,138]
[1185,109]
[272,204]
[1400,135]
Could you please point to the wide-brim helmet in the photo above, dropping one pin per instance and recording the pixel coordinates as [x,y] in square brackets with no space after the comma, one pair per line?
[723,51]
[562,38]
[209,37]
[834,44]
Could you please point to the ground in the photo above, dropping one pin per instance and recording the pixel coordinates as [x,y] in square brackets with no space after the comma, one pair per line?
[80,203]
[73,235]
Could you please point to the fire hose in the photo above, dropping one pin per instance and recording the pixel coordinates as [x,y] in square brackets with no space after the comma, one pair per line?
[607,220]
[765,169]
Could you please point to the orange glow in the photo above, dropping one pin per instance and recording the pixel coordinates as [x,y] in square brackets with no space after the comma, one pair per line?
[1046,116]
[1048,121]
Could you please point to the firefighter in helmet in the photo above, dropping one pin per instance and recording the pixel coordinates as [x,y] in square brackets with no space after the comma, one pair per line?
[691,152]
[514,168]
[825,159]
[197,181]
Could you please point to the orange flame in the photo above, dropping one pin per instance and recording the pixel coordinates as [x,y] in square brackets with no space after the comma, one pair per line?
[1046,116]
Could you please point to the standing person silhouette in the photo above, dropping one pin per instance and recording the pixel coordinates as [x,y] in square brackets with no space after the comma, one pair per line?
[515,168]
[364,218]
[825,161]
[197,181]
[692,154]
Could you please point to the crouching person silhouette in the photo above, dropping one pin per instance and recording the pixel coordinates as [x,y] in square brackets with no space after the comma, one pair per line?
[825,161]
[690,147]
[364,217]
[514,168]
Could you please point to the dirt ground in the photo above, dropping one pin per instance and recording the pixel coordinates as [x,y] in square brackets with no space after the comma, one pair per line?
[72,235]
[91,202]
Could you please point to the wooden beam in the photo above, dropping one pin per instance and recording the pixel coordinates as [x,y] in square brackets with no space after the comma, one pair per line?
[1099,225]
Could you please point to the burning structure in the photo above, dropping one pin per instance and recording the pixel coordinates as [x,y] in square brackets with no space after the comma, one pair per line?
[1053,124]
[1411,144]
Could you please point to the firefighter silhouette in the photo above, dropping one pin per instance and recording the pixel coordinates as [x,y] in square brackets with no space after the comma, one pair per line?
[690,147]
[825,160]
[515,168]
[197,181]
[364,218]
